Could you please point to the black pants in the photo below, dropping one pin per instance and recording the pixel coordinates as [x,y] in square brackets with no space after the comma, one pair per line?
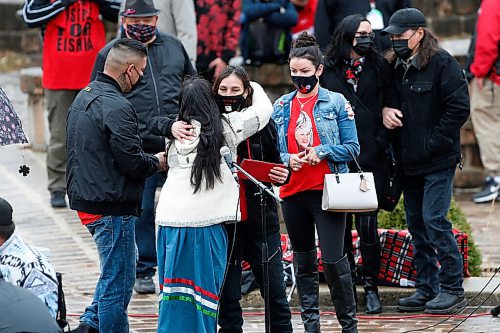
[302,211]
[247,247]
[366,225]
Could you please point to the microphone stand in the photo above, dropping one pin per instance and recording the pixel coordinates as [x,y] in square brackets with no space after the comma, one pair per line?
[265,250]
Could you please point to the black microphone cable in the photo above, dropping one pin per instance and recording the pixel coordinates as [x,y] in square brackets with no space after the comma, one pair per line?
[236,222]
[469,302]
[234,241]
[481,304]
[229,256]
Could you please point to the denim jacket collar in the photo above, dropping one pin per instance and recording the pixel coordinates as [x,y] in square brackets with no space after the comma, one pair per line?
[322,95]
[326,113]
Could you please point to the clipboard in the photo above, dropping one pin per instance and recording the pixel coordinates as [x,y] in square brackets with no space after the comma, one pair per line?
[258,169]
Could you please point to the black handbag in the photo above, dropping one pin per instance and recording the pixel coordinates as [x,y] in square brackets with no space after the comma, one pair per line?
[391,180]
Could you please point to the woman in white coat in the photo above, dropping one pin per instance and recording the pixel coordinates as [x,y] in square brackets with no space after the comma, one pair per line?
[199,195]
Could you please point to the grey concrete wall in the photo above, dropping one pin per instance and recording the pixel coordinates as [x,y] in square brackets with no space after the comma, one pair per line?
[449,17]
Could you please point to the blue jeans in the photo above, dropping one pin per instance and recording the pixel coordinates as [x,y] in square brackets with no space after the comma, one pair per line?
[115,240]
[427,201]
[145,227]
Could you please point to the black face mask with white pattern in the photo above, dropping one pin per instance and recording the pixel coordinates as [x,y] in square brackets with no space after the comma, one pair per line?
[229,103]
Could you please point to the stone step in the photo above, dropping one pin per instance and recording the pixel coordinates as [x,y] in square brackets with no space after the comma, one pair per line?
[390,295]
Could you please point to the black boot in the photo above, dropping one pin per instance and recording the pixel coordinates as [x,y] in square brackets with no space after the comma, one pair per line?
[308,289]
[84,328]
[338,277]
[369,271]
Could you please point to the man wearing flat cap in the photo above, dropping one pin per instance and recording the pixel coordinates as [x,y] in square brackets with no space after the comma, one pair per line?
[434,104]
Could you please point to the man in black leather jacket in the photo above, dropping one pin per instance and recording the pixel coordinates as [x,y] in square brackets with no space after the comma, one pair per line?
[155,97]
[106,169]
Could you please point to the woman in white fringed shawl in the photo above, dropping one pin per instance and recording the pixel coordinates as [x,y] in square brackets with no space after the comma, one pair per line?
[198,196]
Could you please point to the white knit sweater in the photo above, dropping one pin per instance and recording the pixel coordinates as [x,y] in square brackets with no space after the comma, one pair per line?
[178,206]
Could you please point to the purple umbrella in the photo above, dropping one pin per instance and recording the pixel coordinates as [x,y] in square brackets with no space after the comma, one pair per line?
[11,131]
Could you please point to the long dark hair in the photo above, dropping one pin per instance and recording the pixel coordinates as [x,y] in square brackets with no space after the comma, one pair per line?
[306,47]
[242,74]
[428,46]
[197,102]
[340,47]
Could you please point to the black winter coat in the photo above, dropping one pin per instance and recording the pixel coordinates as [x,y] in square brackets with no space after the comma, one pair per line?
[158,93]
[106,165]
[331,12]
[434,101]
[373,93]
[263,147]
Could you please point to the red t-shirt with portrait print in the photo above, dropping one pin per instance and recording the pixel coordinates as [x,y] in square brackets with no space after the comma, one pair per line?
[302,133]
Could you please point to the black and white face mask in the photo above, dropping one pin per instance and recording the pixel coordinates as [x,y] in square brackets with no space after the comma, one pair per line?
[229,103]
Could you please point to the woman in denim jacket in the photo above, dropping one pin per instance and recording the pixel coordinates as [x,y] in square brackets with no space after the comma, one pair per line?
[316,134]
[354,68]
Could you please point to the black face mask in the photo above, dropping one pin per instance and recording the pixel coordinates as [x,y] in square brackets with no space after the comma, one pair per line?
[229,103]
[305,84]
[363,45]
[136,84]
[401,49]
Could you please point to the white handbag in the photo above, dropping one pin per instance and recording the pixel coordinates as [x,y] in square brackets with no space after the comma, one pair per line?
[349,192]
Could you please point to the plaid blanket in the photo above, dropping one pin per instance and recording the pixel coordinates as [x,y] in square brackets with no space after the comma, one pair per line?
[396,262]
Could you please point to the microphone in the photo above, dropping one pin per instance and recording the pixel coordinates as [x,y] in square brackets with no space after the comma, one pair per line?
[226,154]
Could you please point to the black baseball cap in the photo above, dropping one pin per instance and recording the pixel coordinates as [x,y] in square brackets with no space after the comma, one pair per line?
[403,20]
[5,213]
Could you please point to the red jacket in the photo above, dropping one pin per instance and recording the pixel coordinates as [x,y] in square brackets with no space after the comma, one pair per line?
[487,41]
